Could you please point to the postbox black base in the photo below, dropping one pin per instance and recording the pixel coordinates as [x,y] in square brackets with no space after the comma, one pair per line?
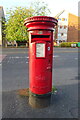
[40,95]
[39,101]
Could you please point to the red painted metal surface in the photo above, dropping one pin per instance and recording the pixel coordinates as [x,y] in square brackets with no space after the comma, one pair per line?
[40,67]
[40,22]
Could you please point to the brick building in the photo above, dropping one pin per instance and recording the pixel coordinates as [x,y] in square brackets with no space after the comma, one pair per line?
[72,34]
[67,29]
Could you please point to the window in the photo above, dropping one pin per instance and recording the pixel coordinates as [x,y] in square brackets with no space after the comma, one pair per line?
[63,19]
[59,34]
[65,26]
[60,27]
[59,19]
[65,34]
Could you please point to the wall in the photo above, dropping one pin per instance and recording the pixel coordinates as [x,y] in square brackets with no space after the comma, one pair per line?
[63,22]
[72,34]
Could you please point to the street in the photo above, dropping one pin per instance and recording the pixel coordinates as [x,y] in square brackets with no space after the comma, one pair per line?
[64,104]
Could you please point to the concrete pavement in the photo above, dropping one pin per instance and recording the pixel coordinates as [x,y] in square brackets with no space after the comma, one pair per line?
[64,104]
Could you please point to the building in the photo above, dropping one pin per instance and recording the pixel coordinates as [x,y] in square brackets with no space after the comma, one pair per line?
[67,29]
[72,34]
[1,16]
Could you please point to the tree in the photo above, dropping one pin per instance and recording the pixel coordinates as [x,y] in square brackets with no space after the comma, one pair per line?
[15,29]
[40,8]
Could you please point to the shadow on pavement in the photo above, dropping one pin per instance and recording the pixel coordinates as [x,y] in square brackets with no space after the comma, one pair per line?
[63,105]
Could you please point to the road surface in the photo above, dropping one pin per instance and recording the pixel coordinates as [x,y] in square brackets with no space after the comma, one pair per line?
[15,73]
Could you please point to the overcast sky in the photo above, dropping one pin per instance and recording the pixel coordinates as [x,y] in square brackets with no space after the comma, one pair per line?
[55,6]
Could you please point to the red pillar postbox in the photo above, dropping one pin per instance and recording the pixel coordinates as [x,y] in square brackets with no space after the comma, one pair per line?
[40,53]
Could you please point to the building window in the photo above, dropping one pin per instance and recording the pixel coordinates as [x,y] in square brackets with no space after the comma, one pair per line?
[59,19]
[63,19]
[65,34]
[59,34]
[60,27]
[65,26]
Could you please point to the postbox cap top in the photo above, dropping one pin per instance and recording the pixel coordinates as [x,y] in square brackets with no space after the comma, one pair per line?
[41,19]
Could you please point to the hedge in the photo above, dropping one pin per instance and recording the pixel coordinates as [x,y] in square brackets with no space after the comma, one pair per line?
[68,44]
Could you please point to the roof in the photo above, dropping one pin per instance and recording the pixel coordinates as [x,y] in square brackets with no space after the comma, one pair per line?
[63,11]
[59,14]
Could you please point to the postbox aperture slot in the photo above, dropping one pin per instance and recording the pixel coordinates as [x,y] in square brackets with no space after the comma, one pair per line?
[40,36]
[40,50]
